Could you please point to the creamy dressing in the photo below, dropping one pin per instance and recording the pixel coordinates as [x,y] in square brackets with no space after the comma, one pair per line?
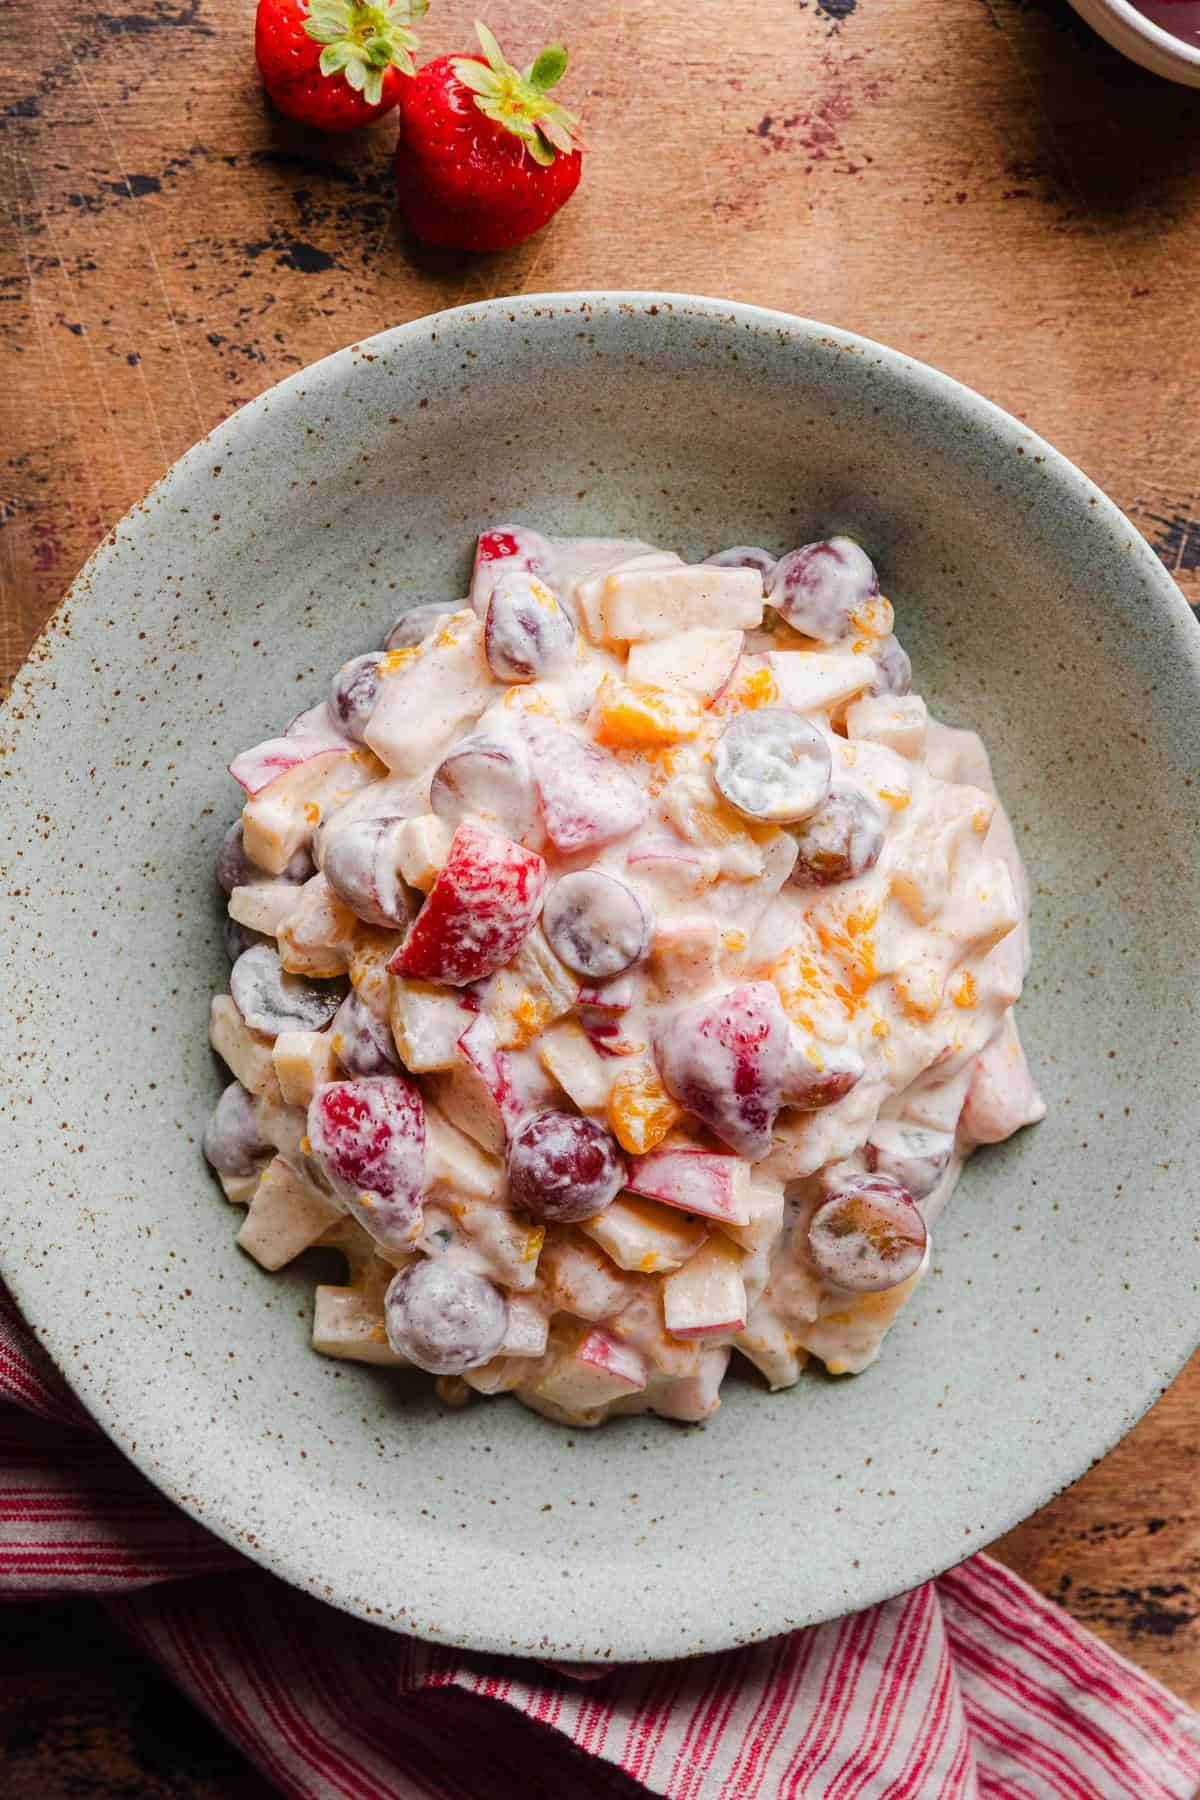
[882,995]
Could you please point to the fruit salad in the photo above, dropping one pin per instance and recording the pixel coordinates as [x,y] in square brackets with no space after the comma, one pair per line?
[623,966]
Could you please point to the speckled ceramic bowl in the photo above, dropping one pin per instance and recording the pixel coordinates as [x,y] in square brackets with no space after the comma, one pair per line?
[1063,1295]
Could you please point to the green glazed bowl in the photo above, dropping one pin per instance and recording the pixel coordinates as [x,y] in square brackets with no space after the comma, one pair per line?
[1063,1295]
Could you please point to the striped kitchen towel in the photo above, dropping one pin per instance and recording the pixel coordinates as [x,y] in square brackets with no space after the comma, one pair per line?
[968,1688]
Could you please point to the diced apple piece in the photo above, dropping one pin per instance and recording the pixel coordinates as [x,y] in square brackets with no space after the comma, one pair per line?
[348,1324]
[455,1166]
[533,990]
[368,956]
[640,605]
[304,1061]
[427,1022]
[637,716]
[598,1371]
[897,721]
[423,844]
[991,905]
[589,593]
[586,798]
[644,1236]
[1001,1096]
[811,680]
[771,1347]
[687,954]
[287,1214]
[500,1376]
[700,662]
[691,1398]
[263,905]
[696,1181]
[764,1207]
[675,870]
[247,1053]
[424,702]
[478,1045]
[707,1297]
[478,1093]
[528,1329]
[282,816]
[316,936]
[584,1075]
[576,1277]
[239,1189]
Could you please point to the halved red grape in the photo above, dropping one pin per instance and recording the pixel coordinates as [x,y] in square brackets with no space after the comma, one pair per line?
[368,1137]
[893,668]
[743,556]
[233,1143]
[819,587]
[914,1155]
[443,1317]
[596,925]
[362,1042]
[527,633]
[361,863]
[484,778]
[353,693]
[868,1236]
[413,626]
[772,765]
[562,1167]
[841,840]
[271,1001]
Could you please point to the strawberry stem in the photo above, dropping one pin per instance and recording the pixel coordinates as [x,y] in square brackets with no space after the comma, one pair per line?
[517,101]
[362,39]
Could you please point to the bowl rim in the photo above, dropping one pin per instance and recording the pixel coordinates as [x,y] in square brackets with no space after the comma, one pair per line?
[1125,15]
[656,1640]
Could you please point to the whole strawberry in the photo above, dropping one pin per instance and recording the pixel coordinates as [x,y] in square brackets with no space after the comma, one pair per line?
[335,64]
[485,157]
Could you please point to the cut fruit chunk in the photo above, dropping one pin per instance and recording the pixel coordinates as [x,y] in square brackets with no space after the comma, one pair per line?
[263,905]
[897,721]
[809,680]
[427,1022]
[304,1061]
[700,662]
[587,799]
[422,846]
[478,911]
[644,1236]
[368,1138]
[640,605]
[316,936]
[280,818]
[529,993]
[247,1053]
[640,1110]
[456,1167]
[584,1075]
[1001,1096]
[708,1296]
[637,716]
[426,701]
[594,1372]
[695,1181]
[287,1214]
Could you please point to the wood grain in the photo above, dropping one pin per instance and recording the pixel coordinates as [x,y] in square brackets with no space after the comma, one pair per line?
[979,182]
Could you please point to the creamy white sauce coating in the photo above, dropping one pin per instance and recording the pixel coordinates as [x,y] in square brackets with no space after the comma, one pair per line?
[910,971]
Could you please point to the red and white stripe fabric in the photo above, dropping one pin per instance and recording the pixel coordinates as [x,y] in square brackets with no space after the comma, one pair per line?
[969,1688]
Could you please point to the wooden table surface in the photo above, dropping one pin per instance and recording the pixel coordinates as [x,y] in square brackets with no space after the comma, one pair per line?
[978,182]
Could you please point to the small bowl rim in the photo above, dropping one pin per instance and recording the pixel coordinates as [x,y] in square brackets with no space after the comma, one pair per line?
[1156,36]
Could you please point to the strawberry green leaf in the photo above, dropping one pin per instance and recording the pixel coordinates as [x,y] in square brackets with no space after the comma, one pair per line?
[363,38]
[549,68]
[517,102]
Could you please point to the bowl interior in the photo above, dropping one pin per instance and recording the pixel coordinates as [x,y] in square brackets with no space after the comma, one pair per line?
[1063,1291]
